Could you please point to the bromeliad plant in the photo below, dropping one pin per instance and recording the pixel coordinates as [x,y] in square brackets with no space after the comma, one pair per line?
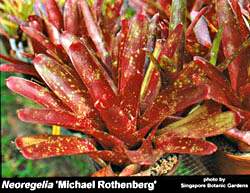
[130,85]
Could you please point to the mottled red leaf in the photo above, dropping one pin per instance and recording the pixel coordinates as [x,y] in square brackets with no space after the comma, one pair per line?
[168,49]
[178,16]
[145,155]
[243,27]
[67,120]
[219,83]
[231,41]
[104,99]
[45,146]
[96,36]
[185,146]
[132,66]
[35,92]
[23,69]
[71,17]
[54,13]
[63,81]
[171,101]
[40,38]
[121,38]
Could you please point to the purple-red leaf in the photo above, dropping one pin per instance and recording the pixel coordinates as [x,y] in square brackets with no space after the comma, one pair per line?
[221,90]
[170,48]
[44,146]
[200,27]
[40,38]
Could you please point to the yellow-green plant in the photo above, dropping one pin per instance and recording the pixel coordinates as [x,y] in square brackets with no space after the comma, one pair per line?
[20,9]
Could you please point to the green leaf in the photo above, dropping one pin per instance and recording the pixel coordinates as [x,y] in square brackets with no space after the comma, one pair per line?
[216,46]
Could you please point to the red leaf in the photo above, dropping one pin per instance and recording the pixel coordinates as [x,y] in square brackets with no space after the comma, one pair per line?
[67,120]
[63,81]
[96,36]
[54,14]
[218,82]
[243,28]
[45,146]
[171,101]
[245,95]
[152,80]
[53,32]
[56,117]
[105,100]
[36,22]
[232,40]
[185,146]
[152,90]
[71,17]
[67,39]
[145,155]
[165,49]
[22,142]
[92,74]
[132,66]
[23,69]
[169,48]
[13,60]
[121,39]
[97,9]
[35,92]
[246,126]
[109,21]
[40,38]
